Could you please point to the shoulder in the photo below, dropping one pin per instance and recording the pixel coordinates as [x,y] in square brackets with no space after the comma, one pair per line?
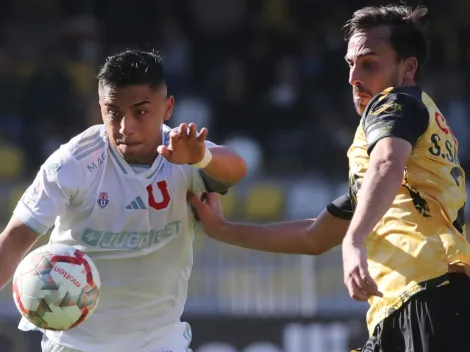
[88,142]
[402,101]
[396,112]
[67,164]
[89,149]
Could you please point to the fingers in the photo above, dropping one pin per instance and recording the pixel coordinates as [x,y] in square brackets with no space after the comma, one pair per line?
[368,284]
[213,201]
[203,134]
[174,136]
[361,286]
[184,131]
[192,131]
[356,292]
[193,199]
[165,152]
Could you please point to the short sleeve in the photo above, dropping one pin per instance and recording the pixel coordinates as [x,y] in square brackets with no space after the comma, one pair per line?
[48,195]
[342,207]
[204,183]
[395,115]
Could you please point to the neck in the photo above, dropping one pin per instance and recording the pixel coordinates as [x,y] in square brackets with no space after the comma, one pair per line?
[409,83]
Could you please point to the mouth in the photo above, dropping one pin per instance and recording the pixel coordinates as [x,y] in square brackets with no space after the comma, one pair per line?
[361,98]
[127,144]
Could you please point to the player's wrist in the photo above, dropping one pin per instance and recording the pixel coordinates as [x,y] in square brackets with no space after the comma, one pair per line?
[218,229]
[206,159]
[352,239]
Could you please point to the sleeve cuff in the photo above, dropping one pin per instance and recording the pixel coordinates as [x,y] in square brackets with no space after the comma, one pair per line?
[338,212]
[23,214]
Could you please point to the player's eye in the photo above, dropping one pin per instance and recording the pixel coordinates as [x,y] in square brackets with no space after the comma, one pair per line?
[141,112]
[113,114]
[368,65]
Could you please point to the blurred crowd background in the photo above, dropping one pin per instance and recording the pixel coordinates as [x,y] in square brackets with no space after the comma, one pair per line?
[266,77]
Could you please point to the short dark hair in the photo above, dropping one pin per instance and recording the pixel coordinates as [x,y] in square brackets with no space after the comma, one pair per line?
[132,67]
[408,37]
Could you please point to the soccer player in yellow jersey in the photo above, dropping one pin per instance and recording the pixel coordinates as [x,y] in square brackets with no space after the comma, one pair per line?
[402,225]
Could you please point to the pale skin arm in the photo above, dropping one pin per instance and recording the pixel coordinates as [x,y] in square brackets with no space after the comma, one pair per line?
[308,236]
[15,241]
[383,177]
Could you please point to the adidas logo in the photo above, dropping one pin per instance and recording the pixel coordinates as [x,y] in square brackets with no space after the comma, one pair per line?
[137,204]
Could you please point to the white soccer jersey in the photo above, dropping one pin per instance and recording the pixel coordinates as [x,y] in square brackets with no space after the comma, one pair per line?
[136,226]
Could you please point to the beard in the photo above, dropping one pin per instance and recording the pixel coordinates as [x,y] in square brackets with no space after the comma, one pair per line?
[360,103]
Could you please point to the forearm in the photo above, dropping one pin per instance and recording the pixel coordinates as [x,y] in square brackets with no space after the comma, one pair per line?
[9,260]
[309,236]
[226,166]
[15,241]
[7,264]
[286,237]
[378,190]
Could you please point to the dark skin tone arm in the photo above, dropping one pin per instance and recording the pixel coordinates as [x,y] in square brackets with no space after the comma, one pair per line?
[308,236]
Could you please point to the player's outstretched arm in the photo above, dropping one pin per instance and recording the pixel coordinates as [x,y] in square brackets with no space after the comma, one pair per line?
[308,236]
[15,241]
[219,166]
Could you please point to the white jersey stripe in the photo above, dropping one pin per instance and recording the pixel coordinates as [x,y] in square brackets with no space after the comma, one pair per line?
[79,147]
[152,175]
[116,158]
[87,152]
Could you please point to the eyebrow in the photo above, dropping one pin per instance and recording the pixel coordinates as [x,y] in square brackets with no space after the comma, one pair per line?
[143,102]
[362,55]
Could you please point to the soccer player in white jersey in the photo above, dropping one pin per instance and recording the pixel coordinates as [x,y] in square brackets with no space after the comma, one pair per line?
[118,192]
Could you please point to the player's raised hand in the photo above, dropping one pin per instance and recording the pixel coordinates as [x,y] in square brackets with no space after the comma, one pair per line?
[357,279]
[186,146]
[209,211]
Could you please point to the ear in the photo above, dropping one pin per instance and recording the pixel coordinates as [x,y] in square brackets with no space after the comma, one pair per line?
[170,103]
[411,66]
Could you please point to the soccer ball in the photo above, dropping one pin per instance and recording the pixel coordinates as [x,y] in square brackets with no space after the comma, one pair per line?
[56,287]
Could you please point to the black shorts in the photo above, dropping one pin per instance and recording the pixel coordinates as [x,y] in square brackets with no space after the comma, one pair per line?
[433,320]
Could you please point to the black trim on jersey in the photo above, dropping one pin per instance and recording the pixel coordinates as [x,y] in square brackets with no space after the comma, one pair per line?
[342,207]
[213,185]
[397,114]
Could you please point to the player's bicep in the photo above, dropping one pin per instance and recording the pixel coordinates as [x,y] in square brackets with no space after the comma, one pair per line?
[329,228]
[396,115]
[326,232]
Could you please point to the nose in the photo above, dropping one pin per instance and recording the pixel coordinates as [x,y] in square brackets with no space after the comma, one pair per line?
[355,76]
[127,125]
